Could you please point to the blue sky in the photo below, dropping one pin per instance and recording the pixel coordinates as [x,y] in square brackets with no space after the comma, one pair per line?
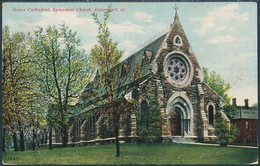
[223,36]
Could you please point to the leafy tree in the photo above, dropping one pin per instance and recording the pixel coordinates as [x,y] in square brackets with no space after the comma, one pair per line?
[15,84]
[255,105]
[105,55]
[149,128]
[53,120]
[61,68]
[217,83]
[36,116]
[230,110]
[226,132]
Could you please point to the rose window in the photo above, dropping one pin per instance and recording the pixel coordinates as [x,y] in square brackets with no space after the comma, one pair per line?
[177,69]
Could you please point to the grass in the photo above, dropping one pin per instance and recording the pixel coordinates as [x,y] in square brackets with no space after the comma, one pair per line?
[159,153]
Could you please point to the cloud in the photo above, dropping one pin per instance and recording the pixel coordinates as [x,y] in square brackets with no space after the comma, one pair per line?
[67,17]
[222,39]
[128,46]
[125,27]
[241,59]
[87,46]
[83,24]
[142,16]
[222,19]
[246,93]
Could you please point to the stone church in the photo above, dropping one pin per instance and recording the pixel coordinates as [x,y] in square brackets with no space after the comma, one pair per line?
[171,72]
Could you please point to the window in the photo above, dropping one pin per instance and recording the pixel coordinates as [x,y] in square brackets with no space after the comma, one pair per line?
[144,111]
[211,114]
[125,69]
[177,69]
[247,125]
[177,41]
[147,57]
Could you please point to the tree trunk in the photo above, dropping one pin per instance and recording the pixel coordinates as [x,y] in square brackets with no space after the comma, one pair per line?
[36,138]
[117,142]
[45,138]
[50,138]
[33,140]
[3,140]
[15,142]
[64,130]
[22,147]
[42,139]
[64,136]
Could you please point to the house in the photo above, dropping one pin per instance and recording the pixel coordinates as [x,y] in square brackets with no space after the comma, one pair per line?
[170,73]
[246,119]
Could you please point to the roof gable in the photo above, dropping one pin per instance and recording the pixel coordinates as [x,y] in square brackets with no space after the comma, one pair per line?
[141,59]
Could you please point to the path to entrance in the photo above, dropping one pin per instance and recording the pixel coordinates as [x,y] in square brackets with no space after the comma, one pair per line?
[237,146]
[196,143]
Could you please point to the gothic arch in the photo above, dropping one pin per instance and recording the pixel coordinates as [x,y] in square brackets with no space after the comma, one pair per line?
[177,41]
[144,105]
[211,112]
[179,101]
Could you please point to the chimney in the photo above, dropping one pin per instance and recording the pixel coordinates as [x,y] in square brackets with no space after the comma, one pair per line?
[234,101]
[246,103]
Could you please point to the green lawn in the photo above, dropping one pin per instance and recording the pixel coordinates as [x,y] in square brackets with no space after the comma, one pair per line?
[167,153]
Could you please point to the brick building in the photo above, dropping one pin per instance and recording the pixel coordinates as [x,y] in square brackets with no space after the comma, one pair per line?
[171,73]
[246,119]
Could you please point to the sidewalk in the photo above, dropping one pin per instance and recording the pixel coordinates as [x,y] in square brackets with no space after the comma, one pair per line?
[254,163]
[237,146]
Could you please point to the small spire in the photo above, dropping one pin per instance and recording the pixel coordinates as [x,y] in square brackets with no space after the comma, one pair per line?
[176,8]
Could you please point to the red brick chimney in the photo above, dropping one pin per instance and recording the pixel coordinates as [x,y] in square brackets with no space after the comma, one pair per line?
[246,103]
[234,101]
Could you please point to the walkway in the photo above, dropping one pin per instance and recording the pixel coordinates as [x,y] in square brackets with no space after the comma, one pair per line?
[237,146]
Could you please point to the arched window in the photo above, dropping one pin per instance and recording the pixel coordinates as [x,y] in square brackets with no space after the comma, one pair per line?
[211,115]
[177,41]
[247,125]
[144,111]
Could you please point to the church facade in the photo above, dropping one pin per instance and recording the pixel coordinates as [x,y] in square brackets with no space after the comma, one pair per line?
[171,73]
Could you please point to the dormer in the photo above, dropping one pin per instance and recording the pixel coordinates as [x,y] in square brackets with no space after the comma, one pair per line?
[147,57]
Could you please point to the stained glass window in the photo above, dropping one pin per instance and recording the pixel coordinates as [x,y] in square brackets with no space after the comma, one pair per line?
[177,68]
[177,40]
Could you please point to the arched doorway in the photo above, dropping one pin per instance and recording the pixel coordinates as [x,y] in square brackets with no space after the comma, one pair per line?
[176,123]
[180,115]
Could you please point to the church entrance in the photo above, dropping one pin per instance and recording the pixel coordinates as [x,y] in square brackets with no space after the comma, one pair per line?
[180,115]
[176,123]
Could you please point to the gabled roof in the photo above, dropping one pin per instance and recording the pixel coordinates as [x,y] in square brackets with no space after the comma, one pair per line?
[246,113]
[136,60]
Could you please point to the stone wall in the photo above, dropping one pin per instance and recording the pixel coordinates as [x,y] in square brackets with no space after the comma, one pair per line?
[157,85]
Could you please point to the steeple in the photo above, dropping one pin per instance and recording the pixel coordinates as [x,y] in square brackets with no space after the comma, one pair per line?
[176,13]
[176,42]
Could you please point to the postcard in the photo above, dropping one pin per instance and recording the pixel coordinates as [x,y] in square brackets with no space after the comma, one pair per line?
[129,83]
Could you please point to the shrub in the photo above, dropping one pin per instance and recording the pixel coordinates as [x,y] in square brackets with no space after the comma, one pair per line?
[230,110]
[149,128]
[226,132]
